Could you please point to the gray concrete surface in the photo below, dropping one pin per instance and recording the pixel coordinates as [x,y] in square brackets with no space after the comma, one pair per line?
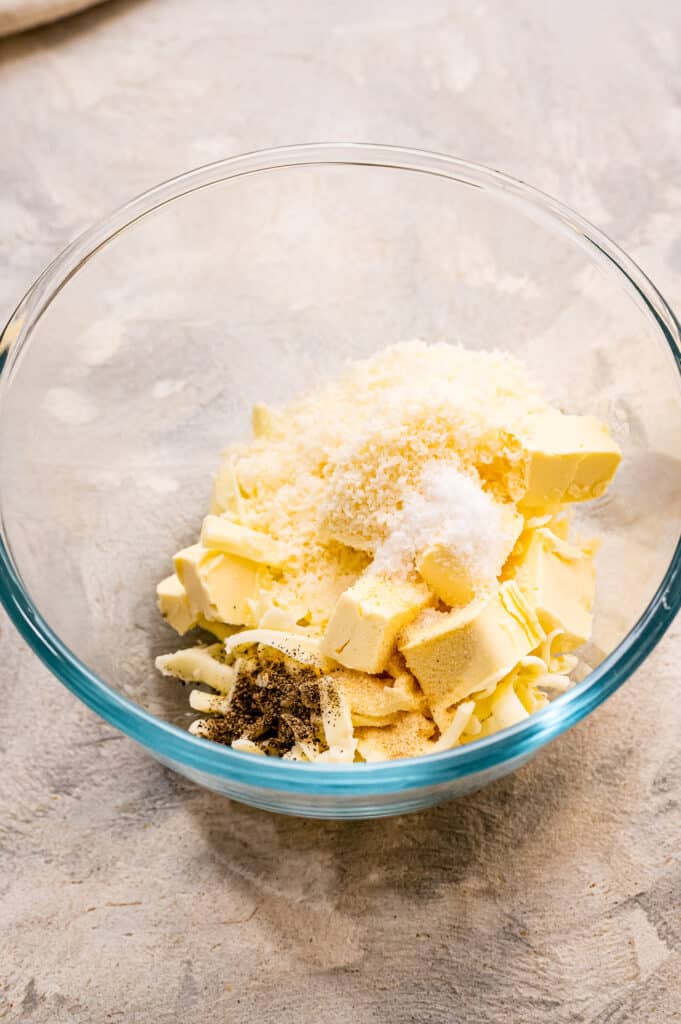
[129,895]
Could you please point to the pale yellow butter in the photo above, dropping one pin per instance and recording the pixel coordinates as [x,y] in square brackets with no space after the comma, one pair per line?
[446,574]
[174,606]
[568,458]
[450,577]
[559,579]
[218,586]
[218,629]
[468,650]
[173,603]
[367,618]
[221,534]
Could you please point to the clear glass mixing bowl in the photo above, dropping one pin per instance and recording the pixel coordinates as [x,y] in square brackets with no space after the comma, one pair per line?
[137,355]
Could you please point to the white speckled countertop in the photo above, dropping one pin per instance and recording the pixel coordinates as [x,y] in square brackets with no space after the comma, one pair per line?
[127,893]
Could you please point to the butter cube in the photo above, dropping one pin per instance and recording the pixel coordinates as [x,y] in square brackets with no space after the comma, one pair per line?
[218,586]
[367,618]
[221,534]
[559,580]
[449,575]
[467,650]
[173,603]
[568,458]
[174,606]
[446,574]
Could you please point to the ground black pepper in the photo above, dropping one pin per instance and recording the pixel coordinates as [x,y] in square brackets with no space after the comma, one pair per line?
[275,703]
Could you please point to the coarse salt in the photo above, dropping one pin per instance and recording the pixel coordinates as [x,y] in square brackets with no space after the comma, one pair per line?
[450,508]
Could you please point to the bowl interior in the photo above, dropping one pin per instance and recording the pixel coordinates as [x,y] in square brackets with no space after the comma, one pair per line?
[115,408]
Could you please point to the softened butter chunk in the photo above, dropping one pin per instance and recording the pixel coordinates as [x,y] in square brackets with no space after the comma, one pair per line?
[367,618]
[451,576]
[559,579]
[218,586]
[174,606]
[470,649]
[568,458]
[221,534]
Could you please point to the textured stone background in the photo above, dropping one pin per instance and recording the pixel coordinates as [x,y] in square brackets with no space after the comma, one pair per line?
[129,895]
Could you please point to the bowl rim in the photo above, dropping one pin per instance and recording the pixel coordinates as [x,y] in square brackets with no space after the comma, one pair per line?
[202,757]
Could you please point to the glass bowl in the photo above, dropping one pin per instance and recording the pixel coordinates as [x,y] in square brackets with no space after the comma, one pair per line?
[137,355]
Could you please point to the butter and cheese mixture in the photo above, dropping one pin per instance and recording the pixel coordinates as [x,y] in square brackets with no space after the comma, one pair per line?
[388,567]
